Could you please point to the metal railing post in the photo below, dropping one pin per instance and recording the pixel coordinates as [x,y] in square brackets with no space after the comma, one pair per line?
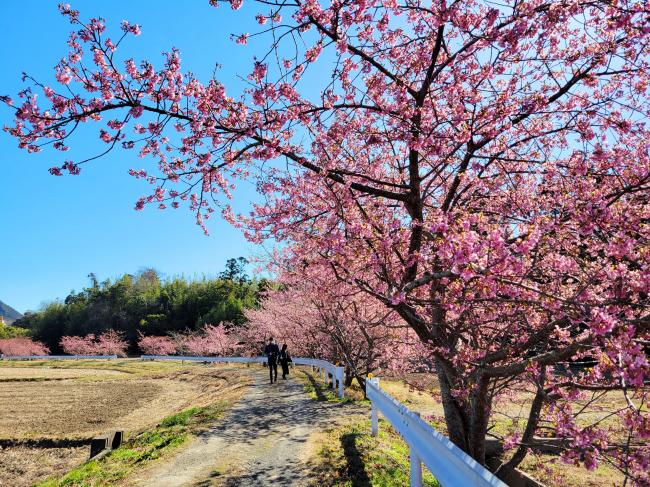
[374,420]
[416,468]
[340,373]
[415,465]
[374,409]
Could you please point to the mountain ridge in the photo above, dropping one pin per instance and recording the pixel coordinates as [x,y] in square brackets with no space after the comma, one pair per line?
[10,314]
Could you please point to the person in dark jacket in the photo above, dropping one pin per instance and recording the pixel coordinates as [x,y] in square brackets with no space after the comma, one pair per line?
[272,351]
[285,358]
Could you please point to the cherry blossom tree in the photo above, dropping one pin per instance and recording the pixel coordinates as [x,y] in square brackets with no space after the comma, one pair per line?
[479,168]
[219,340]
[156,345]
[211,340]
[288,319]
[108,343]
[76,345]
[22,346]
[334,323]
[112,342]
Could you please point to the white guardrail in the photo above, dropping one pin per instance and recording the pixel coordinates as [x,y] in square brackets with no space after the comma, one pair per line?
[57,357]
[326,369]
[450,465]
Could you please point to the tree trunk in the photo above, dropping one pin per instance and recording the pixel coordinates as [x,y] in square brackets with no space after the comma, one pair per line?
[362,383]
[531,426]
[455,417]
[349,377]
[480,415]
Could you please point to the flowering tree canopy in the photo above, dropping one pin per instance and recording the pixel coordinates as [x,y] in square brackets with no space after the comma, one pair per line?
[21,346]
[108,343]
[333,322]
[211,340]
[479,168]
[156,345]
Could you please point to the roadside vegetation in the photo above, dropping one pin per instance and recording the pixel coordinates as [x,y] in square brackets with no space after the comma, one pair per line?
[143,448]
[349,456]
[313,385]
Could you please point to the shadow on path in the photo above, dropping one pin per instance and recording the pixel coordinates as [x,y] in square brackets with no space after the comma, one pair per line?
[318,389]
[262,441]
[356,468]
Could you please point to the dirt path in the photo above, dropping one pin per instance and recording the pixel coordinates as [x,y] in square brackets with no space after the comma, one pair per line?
[262,441]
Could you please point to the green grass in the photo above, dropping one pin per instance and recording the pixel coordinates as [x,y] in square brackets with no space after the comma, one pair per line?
[316,388]
[142,448]
[350,457]
[182,418]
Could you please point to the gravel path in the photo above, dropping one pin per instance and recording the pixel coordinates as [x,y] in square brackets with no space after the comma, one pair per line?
[262,441]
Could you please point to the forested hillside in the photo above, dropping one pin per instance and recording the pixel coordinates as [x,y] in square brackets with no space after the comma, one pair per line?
[144,303]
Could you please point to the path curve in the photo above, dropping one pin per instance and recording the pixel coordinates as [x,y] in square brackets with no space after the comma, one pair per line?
[263,440]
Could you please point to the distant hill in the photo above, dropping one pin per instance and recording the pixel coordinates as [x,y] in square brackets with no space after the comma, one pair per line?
[9,313]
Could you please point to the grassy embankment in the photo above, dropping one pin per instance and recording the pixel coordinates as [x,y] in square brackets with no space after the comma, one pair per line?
[351,457]
[348,455]
[143,448]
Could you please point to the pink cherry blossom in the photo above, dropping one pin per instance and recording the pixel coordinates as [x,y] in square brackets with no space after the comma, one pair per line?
[21,346]
[478,171]
[108,343]
[156,345]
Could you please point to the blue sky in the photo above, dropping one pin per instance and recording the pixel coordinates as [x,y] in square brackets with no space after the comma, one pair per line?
[55,230]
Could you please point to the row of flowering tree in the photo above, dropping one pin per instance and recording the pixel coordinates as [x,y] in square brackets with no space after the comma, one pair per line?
[339,324]
[108,343]
[210,341]
[21,346]
[479,168]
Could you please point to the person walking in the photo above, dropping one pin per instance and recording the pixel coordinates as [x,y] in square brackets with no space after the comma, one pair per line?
[272,351]
[285,358]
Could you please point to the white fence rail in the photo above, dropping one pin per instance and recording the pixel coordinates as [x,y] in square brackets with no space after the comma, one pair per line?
[449,464]
[326,369]
[58,357]
[193,358]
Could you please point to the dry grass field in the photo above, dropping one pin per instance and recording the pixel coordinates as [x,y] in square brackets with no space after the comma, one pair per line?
[50,410]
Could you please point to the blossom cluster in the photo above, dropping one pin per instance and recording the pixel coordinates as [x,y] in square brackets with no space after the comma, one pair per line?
[108,343]
[211,340]
[22,346]
[478,170]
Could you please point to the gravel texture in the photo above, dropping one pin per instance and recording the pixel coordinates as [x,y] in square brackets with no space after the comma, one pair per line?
[263,440]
